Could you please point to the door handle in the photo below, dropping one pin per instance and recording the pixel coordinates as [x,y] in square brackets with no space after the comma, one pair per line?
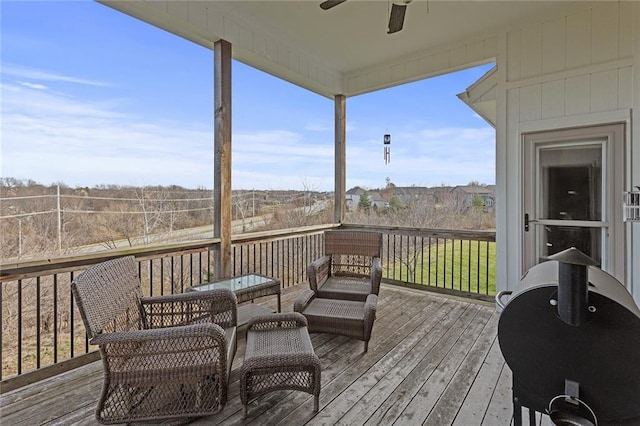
[527,221]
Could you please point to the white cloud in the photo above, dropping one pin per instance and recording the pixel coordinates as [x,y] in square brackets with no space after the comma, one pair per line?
[33,74]
[33,85]
[50,137]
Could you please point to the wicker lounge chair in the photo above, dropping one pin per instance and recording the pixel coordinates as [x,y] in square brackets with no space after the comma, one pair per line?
[344,317]
[163,357]
[351,268]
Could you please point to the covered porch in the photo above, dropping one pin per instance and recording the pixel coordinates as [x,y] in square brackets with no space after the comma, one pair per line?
[558,66]
[432,359]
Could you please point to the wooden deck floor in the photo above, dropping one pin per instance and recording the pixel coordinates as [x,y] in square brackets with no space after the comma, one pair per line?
[432,360]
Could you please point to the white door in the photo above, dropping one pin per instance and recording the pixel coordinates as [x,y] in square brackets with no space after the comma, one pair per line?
[573,185]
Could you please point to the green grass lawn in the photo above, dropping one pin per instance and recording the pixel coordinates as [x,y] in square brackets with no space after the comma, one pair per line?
[468,266]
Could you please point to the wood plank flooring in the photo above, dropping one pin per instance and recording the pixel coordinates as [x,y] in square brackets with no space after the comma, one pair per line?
[432,360]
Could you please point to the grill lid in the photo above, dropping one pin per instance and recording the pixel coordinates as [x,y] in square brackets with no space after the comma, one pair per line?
[601,353]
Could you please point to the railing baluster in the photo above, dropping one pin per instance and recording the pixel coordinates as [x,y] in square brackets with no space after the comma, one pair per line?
[71,320]
[38,308]
[162,276]
[191,270]
[437,260]
[478,274]
[151,277]
[2,330]
[272,260]
[181,272]
[469,266]
[460,267]
[55,318]
[19,348]
[254,258]
[172,275]
[486,288]
[429,271]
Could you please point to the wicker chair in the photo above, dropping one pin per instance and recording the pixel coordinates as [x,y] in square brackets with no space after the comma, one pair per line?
[351,268]
[164,357]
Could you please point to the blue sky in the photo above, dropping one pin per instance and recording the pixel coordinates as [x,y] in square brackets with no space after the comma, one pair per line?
[92,96]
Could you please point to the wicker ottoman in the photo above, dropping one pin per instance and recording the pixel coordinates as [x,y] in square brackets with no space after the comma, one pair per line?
[279,356]
[344,317]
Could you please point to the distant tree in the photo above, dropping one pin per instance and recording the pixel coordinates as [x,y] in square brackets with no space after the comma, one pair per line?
[365,202]
[477,202]
[395,204]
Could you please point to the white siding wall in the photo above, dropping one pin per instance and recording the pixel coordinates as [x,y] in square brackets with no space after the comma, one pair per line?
[567,71]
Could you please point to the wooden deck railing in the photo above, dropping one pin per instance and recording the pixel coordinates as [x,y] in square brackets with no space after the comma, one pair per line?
[43,334]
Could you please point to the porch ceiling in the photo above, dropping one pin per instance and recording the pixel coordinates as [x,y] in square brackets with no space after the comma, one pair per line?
[346,50]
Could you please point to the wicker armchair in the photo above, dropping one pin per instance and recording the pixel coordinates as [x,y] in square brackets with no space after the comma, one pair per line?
[351,268]
[163,357]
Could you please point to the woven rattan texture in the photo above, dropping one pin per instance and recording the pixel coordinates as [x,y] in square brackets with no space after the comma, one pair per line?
[164,357]
[357,243]
[344,317]
[279,356]
[108,297]
[350,269]
[345,288]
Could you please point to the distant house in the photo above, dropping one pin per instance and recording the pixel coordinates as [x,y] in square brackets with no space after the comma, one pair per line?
[409,194]
[377,200]
[463,196]
[352,198]
[428,195]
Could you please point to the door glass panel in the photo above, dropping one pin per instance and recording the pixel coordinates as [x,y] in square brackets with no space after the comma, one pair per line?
[558,238]
[571,183]
[570,189]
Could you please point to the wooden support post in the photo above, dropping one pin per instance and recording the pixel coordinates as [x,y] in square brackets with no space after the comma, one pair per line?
[222,159]
[340,158]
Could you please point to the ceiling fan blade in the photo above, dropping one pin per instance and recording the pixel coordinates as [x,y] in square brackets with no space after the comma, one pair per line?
[396,19]
[328,4]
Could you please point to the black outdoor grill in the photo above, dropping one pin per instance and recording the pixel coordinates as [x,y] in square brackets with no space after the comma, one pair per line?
[571,335]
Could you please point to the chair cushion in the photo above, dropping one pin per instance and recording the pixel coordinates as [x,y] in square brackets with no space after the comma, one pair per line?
[345,288]
[344,317]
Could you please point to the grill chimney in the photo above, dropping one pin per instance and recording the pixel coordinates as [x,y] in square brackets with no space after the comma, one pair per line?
[573,285]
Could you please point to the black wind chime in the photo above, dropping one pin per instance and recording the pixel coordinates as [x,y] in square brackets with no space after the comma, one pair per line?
[387,149]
